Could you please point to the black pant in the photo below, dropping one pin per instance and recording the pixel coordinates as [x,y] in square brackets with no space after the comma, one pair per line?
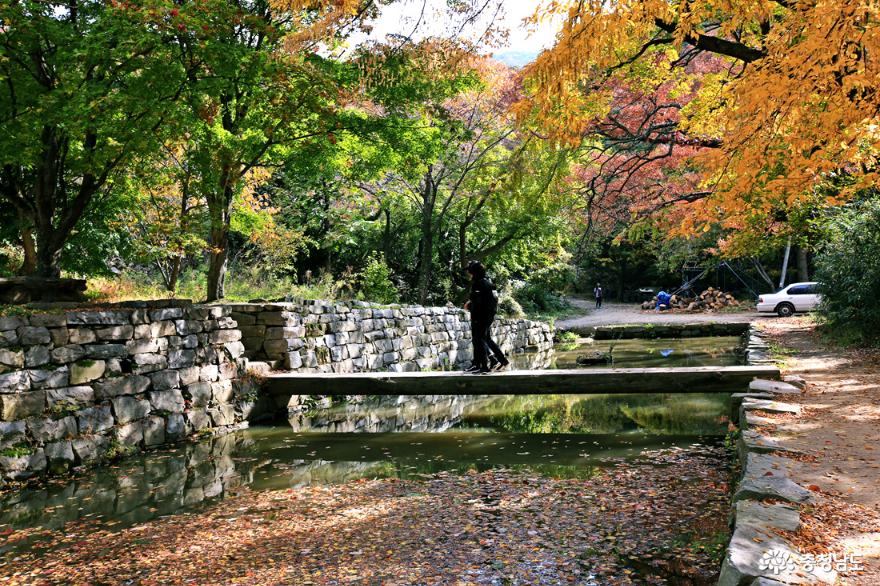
[483,343]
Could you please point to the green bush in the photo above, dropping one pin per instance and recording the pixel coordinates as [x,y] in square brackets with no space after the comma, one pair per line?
[536,298]
[375,282]
[848,270]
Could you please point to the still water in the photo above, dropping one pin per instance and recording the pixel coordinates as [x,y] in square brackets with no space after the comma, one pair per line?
[567,436]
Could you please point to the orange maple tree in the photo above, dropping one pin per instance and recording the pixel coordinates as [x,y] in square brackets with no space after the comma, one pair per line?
[795,99]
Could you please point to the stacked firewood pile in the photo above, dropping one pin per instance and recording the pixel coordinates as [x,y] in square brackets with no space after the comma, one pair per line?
[709,300]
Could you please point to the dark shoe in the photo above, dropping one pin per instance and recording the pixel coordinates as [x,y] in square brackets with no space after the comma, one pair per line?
[480,370]
[472,368]
[493,363]
[501,365]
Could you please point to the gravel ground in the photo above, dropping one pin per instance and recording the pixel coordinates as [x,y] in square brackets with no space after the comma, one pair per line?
[632,313]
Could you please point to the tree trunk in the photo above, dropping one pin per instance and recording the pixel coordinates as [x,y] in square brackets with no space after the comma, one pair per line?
[29,265]
[426,244]
[218,209]
[48,253]
[803,264]
[173,273]
[217,263]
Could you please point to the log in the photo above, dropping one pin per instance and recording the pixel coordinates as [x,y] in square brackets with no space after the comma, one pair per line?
[696,379]
[20,290]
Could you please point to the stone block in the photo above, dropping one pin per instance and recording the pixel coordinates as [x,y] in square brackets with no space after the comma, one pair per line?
[199,393]
[45,430]
[12,322]
[81,395]
[166,313]
[104,351]
[59,455]
[50,379]
[164,328]
[30,335]
[188,375]
[23,405]
[235,349]
[127,409]
[746,559]
[222,415]
[154,431]
[132,384]
[181,358]
[766,477]
[115,333]
[12,433]
[191,341]
[130,434]
[142,346]
[15,382]
[147,363]
[165,379]
[80,336]
[8,338]
[774,387]
[98,318]
[66,354]
[221,391]
[37,356]
[187,326]
[170,401]
[254,331]
[224,336]
[86,371]
[198,419]
[11,358]
[22,467]
[209,373]
[94,419]
[90,448]
[175,426]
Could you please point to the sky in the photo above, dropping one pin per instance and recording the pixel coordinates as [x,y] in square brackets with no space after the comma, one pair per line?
[522,45]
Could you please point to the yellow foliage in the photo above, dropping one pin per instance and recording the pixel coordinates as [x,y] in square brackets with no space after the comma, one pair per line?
[799,102]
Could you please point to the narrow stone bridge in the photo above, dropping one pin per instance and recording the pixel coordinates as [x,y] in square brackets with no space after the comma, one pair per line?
[699,379]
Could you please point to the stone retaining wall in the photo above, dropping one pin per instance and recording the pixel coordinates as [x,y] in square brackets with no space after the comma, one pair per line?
[81,386]
[315,336]
[77,387]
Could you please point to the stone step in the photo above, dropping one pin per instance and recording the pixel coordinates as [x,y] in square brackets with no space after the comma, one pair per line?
[773,386]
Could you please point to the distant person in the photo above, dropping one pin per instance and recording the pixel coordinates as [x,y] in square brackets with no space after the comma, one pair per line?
[483,305]
[597,291]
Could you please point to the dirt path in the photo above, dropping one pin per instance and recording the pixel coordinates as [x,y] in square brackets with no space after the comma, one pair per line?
[840,434]
[631,313]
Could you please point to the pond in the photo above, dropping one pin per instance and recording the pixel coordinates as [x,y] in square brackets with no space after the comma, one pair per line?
[655,459]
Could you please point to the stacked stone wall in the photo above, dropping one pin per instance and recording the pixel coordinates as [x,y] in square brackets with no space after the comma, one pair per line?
[316,336]
[82,386]
[78,387]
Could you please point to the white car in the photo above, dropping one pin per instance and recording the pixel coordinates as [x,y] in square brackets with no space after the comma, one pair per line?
[795,297]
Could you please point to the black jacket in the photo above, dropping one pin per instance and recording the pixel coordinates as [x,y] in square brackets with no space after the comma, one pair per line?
[484,303]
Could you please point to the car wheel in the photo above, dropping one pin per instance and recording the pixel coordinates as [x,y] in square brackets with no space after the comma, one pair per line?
[785,309]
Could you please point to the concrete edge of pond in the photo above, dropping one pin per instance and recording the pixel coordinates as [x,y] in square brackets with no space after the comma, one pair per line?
[757,554]
[691,379]
[694,329]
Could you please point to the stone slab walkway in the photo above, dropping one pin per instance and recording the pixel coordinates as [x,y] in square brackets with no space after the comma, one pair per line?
[837,434]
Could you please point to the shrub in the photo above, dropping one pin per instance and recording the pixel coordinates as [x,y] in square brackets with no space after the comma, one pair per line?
[375,282]
[535,298]
[848,270]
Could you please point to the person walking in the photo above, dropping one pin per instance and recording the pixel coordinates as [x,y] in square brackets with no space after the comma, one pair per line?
[597,291]
[483,305]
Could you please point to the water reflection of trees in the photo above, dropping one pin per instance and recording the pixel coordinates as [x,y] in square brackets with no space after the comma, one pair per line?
[697,414]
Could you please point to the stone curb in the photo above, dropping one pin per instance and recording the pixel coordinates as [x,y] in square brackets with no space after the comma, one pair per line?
[757,555]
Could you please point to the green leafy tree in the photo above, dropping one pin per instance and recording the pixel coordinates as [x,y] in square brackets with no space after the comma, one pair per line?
[848,271]
[87,85]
